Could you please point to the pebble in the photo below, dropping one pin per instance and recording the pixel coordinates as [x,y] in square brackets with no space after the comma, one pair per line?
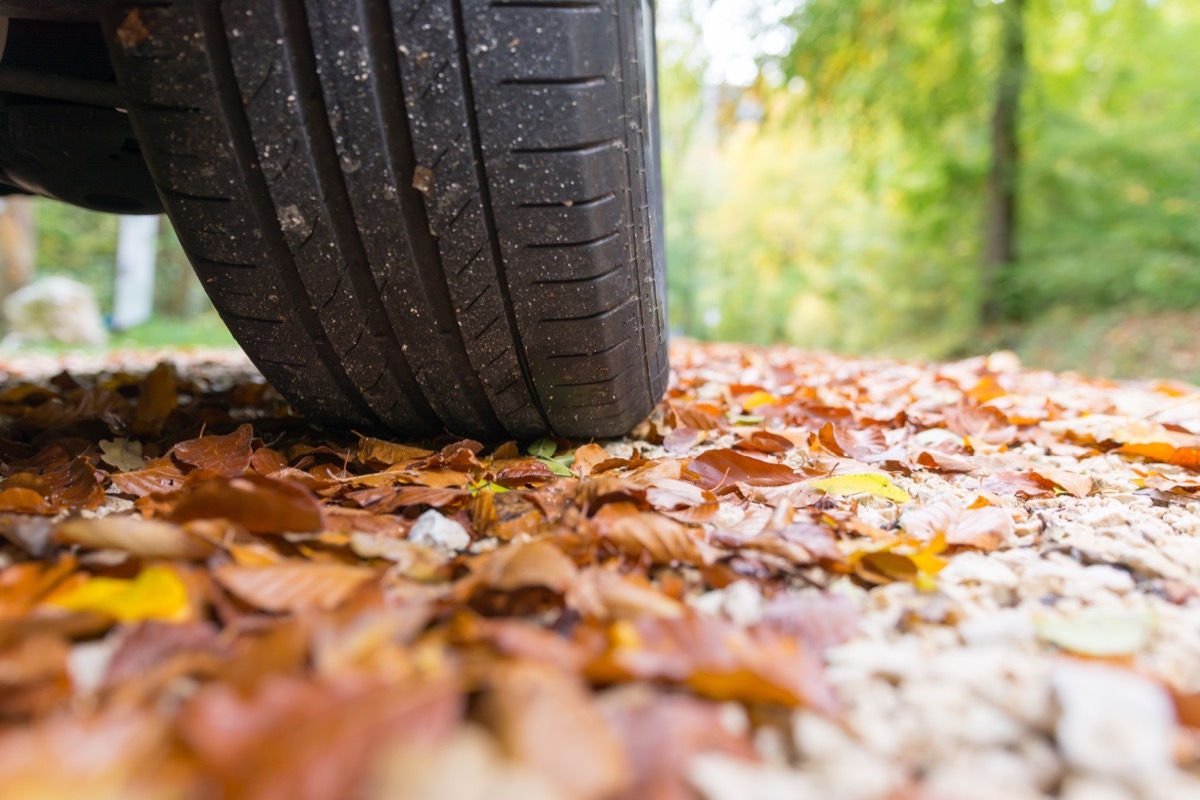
[433,529]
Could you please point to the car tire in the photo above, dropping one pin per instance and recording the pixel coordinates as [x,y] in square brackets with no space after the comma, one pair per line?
[421,216]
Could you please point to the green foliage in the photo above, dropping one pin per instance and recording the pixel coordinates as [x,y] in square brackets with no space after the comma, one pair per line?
[845,210]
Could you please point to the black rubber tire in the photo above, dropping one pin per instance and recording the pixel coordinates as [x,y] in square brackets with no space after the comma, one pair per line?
[416,215]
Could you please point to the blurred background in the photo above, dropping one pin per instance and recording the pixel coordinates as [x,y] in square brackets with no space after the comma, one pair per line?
[928,178]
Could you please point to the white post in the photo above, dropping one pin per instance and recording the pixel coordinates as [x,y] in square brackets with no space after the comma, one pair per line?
[133,288]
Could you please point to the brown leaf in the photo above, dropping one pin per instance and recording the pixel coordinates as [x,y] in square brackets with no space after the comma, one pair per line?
[721,469]
[716,659]
[20,500]
[663,734]
[683,501]
[257,503]
[606,595]
[819,621]
[292,586]
[386,499]
[984,528]
[134,535]
[389,453]
[648,534]
[523,565]
[225,455]
[307,739]
[517,473]
[587,458]
[1070,482]
[765,442]
[941,461]
[547,719]
[158,396]
[159,476]
[681,440]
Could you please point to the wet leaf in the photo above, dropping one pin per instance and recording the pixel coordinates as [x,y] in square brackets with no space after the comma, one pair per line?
[20,500]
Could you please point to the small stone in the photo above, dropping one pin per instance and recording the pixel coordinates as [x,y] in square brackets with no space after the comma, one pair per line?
[1113,723]
[432,529]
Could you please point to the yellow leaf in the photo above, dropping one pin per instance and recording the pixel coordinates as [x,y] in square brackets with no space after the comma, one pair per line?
[864,483]
[759,398]
[156,593]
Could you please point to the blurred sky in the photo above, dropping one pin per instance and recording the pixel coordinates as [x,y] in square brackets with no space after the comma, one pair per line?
[733,33]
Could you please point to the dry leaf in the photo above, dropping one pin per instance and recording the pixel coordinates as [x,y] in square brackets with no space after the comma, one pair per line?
[862,483]
[292,586]
[721,469]
[156,593]
[648,534]
[134,535]
[225,455]
[257,503]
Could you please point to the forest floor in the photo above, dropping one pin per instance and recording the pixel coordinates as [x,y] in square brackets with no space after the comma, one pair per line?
[804,576]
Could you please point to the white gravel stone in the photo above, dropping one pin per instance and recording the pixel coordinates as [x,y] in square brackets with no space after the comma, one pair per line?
[433,529]
[1113,723]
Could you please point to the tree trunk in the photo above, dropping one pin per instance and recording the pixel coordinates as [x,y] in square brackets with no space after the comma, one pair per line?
[1000,216]
[18,244]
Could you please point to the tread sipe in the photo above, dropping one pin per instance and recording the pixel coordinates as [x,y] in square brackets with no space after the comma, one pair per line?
[416,215]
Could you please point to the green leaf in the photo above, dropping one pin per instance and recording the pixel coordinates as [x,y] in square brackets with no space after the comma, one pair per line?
[543,448]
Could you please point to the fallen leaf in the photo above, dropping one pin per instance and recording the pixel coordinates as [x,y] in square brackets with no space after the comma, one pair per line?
[663,734]
[523,565]
[682,501]
[862,483]
[158,476]
[1070,482]
[648,534]
[293,586]
[547,719]
[158,396]
[721,469]
[606,595]
[20,500]
[224,455]
[1098,632]
[259,504]
[587,458]
[715,659]
[134,535]
[156,593]
[984,528]
[124,454]
[389,453]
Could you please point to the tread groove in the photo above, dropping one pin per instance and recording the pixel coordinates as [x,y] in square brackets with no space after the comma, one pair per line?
[489,217]
[234,116]
[327,171]
[573,204]
[402,159]
[599,240]
[582,149]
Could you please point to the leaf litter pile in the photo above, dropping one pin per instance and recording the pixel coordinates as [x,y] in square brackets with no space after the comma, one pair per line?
[804,576]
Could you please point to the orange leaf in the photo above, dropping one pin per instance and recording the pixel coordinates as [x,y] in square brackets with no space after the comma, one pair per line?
[647,533]
[257,503]
[723,468]
[1070,482]
[158,477]
[158,396]
[716,659]
[225,455]
[20,500]
[291,586]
